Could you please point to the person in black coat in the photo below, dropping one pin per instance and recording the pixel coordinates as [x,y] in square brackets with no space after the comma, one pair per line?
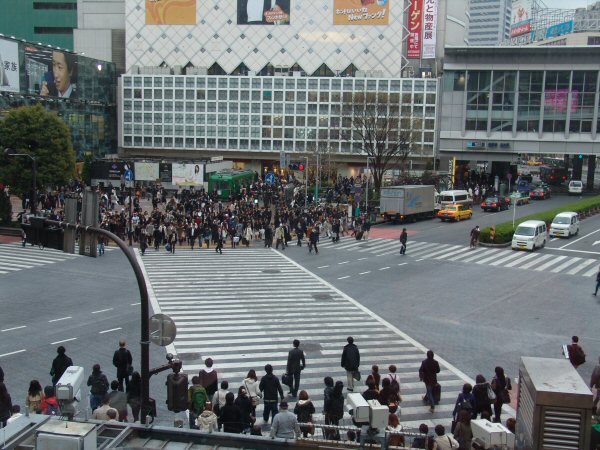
[244,403]
[231,415]
[350,361]
[5,405]
[403,240]
[59,365]
[295,364]
[1,375]
[122,360]
[269,385]
[428,375]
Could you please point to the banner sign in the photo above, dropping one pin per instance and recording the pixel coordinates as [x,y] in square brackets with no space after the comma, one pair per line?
[187,174]
[108,170]
[146,171]
[415,23]
[165,173]
[430,11]
[9,66]
[521,18]
[560,29]
[361,12]
[170,12]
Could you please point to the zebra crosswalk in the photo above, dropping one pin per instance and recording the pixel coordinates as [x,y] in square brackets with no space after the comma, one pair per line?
[14,257]
[495,257]
[245,307]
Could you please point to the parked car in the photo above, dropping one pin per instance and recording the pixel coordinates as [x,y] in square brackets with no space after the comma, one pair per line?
[455,213]
[565,224]
[495,203]
[539,193]
[575,187]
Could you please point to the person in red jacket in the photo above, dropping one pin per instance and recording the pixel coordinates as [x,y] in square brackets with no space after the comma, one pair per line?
[49,404]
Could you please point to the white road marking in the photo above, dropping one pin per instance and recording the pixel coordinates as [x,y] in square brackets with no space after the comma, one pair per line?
[550,263]
[343,262]
[343,278]
[12,353]
[58,320]
[322,267]
[364,273]
[384,268]
[402,264]
[582,266]
[567,263]
[419,259]
[64,340]
[577,240]
[135,304]
[102,310]
[108,331]
[14,328]
[360,259]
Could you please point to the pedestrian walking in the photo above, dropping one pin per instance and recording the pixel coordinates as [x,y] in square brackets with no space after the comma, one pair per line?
[209,378]
[197,399]
[35,395]
[243,402]
[313,240]
[118,400]
[597,282]
[231,415]
[403,239]
[483,403]
[49,405]
[428,375]
[134,395]
[285,424]
[295,365]
[251,385]
[474,237]
[218,399]
[207,422]
[123,361]
[5,405]
[443,441]
[500,385]
[270,387]
[304,411]
[576,353]
[336,408]
[59,365]
[99,386]
[279,237]
[351,362]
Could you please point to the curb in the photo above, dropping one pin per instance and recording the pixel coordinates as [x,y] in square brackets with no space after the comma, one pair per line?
[485,244]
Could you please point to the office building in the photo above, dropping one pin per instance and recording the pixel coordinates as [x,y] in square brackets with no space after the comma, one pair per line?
[489,21]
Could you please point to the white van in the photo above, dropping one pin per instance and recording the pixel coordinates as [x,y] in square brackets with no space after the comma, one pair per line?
[530,235]
[455,197]
[565,224]
[575,187]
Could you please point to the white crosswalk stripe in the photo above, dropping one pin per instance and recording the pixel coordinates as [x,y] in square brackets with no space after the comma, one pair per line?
[14,257]
[504,257]
[244,308]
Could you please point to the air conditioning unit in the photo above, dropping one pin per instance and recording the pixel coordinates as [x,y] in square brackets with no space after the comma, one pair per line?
[66,436]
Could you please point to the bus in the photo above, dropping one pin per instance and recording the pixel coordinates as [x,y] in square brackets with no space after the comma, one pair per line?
[230,181]
[553,174]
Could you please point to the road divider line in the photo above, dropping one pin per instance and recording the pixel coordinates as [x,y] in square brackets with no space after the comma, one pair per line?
[364,273]
[343,262]
[58,320]
[322,267]
[135,304]
[64,340]
[13,328]
[360,259]
[102,310]
[402,264]
[108,331]
[12,353]
[384,268]
[343,278]
[420,259]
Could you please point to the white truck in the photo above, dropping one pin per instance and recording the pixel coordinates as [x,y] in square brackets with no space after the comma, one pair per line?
[407,203]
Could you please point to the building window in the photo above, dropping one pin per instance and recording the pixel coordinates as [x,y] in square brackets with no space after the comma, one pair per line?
[478,96]
[583,98]
[503,100]
[556,90]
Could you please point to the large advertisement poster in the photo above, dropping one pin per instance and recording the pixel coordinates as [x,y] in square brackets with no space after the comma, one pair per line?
[107,170]
[430,11]
[557,100]
[50,72]
[170,12]
[165,173]
[415,24]
[361,12]
[263,12]
[188,174]
[521,18]
[9,66]
[146,171]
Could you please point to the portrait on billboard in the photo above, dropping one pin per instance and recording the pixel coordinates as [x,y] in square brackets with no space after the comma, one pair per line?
[263,12]
[170,12]
[361,12]
[50,73]
[521,18]
[9,66]
[187,174]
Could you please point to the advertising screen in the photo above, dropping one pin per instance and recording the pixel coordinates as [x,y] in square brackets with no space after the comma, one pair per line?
[557,100]
[521,18]
[146,171]
[415,27]
[50,72]
[430,11]
[165,173]
[263,12]
[170,12]
[188,174]
[107,170]
[361,12]
[9,66]
[559,29]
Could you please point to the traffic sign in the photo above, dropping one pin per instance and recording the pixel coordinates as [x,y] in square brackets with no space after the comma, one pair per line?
[162,330]
[270,178]
[128,175]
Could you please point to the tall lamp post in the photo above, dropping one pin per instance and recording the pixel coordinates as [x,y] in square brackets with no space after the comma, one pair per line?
[32,198]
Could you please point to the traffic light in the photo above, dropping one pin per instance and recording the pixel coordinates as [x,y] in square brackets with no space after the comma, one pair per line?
[296,166]
[177,392]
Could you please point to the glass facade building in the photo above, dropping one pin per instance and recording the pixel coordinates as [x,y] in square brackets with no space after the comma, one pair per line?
[267,114]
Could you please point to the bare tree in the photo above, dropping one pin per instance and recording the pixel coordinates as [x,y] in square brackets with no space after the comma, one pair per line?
[387,138]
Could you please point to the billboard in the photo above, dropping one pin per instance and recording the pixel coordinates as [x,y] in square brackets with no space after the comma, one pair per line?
[146,171]
[50,72]
[263,12]
[415,28]
[557,100]
[187,174]
[165,173]
[107,170]
[430,11]
[9,66]
[521,17]
[361,12]
[559,29]
[170,12]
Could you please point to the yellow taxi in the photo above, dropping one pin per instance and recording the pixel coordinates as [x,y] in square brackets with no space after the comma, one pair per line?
[455,212]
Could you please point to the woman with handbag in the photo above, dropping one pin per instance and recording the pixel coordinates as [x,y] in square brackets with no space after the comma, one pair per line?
[251,385]
[484,396]
[304,410]
[388,395]
[500,386]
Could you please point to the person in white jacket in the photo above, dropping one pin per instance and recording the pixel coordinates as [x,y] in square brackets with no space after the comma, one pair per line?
[251,385]
[207,420]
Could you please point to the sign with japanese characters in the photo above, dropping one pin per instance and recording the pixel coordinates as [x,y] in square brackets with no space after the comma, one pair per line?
[430,11]
[415,28]
[9,66]
[361,12]
[521,17]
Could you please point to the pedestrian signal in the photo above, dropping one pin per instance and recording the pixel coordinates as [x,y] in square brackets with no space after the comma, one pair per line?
[296,166]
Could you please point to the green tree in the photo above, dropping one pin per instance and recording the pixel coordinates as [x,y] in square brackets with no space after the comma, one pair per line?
[43,135]
[5,207]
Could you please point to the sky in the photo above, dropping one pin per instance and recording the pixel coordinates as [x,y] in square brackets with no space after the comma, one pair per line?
[572,4]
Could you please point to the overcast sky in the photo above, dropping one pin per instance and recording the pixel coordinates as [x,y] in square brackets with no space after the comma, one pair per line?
[571,4]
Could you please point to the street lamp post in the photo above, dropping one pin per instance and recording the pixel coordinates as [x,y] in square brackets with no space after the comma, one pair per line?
[32,197]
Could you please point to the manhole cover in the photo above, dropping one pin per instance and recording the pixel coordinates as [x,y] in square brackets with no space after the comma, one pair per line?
[310,346]
[321,296]
[271,270]
[189,356]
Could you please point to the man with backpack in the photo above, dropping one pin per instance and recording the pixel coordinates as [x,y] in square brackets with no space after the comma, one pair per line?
[196,401]
[99,386]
